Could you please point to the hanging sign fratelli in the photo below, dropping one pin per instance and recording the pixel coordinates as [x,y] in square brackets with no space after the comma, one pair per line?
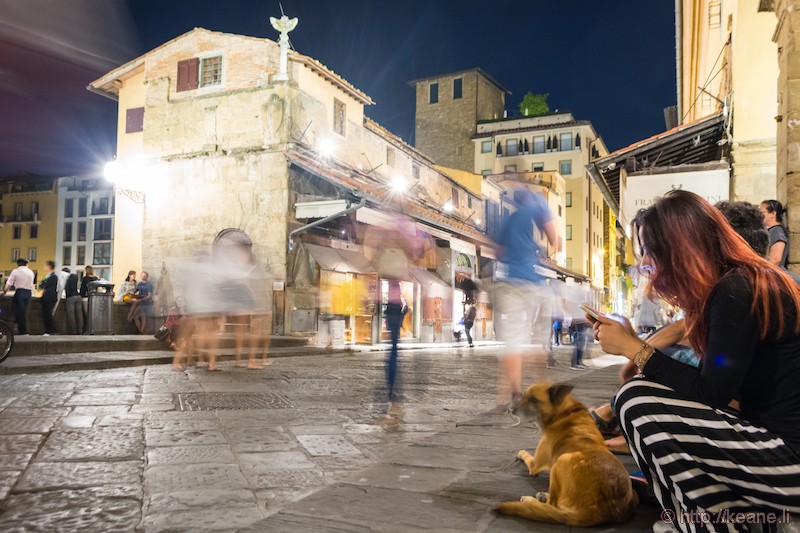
[641,191]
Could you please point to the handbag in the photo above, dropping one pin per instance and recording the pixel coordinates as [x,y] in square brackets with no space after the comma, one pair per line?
[162,333]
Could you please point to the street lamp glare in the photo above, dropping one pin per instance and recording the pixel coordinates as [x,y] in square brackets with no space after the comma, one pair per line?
[399,184]
[478,221]
[448,206]
[326,148]
[112,171]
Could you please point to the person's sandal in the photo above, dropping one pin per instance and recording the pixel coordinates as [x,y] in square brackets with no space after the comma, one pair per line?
[607,428]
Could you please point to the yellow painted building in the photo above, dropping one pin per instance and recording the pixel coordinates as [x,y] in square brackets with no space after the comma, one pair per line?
[28,214]
[727,61]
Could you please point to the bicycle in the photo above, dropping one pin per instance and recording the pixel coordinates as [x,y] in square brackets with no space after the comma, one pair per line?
[6,337]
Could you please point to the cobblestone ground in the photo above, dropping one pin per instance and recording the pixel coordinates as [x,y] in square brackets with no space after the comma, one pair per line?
[153,449]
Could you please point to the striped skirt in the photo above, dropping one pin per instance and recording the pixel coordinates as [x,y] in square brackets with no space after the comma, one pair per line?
[710,470]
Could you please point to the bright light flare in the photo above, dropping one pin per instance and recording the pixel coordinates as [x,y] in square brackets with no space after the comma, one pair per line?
[448,207]
[326,148]
[399,184]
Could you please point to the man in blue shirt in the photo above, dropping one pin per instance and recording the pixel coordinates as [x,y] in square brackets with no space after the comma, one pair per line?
[522,301]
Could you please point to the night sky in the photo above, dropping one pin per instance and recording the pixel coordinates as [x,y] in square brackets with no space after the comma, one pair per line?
[609,62]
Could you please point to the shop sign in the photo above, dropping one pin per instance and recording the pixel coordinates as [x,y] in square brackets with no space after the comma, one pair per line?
[642,191]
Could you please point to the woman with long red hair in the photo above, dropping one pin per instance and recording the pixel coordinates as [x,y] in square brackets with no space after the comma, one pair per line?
[742,319]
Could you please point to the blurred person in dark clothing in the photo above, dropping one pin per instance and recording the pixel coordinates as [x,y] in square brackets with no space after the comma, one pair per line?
[49,298]
[73,305]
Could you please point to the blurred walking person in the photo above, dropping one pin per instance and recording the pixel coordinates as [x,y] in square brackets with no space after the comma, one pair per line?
[88,277]
[773,212]
[73,305]
[395,312]
[469,321]
[522,302]
[49,298]
[21,279]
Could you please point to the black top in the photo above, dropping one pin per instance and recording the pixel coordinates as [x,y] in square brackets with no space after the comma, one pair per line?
[71,287]
[50,287]
[763,375]
[85,284]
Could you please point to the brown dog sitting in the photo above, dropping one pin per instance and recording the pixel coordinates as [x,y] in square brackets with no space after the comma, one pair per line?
[588,485]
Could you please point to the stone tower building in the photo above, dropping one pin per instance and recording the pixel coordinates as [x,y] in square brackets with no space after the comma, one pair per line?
[448,110]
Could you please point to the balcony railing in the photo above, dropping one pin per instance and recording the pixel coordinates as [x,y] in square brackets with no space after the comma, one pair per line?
[27,218]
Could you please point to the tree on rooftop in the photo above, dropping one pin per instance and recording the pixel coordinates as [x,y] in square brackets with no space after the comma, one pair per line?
[534,104]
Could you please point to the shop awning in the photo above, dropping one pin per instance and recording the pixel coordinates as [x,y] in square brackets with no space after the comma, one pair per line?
[340,260]
[319,209]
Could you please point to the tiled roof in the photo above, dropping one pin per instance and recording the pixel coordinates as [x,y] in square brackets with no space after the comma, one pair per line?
[376,194]
[106,86]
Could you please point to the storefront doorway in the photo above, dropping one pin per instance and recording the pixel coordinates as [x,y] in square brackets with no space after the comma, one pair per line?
[408,291]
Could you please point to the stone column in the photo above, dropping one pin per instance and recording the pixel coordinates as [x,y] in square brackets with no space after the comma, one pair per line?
[788,134]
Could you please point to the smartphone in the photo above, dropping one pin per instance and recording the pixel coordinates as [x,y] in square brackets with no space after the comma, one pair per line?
[592,312]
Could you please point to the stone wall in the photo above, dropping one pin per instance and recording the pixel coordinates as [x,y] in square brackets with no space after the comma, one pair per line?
[36,324]
[444,129]
[788,138]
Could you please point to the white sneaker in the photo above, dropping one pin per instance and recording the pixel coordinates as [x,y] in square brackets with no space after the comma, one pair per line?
[45,335]
[663,527]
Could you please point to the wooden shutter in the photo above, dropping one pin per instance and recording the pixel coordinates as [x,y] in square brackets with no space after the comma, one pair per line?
[188,74]
[134,120]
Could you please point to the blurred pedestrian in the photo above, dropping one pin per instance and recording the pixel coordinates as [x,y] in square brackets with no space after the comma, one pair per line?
[395,312]
[170,331]
[21,279]
[522,301]
[63,275]
[73,305]
[778,240]
[469,321]
[49,297]
[88,277]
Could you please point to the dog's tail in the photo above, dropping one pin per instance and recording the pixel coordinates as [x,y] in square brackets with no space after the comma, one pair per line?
[541,512]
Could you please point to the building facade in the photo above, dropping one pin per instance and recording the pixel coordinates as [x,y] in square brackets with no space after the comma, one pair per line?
[448,109]
[557,144]
[27,222]
[85,225]
[216,148]
[727,62]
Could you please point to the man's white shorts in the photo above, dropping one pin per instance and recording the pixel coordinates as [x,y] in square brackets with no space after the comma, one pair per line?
[522,313]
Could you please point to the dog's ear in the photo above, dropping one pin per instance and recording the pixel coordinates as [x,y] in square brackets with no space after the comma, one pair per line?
[558,392]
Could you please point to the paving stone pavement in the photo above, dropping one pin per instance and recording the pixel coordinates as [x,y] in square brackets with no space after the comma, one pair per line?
[302,445]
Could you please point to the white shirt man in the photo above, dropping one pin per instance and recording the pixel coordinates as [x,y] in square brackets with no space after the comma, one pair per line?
[21,279]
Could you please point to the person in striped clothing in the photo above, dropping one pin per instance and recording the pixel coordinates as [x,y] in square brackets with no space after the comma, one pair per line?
[723,438]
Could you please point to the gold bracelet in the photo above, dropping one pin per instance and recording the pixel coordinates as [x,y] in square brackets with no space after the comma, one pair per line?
[643,355]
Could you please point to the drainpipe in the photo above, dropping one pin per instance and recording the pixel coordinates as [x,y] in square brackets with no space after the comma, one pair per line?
[679,56]
[352,197]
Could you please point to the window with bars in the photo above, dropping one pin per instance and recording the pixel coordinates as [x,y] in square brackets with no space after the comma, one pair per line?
[339,116]
[211,71]
[714,14]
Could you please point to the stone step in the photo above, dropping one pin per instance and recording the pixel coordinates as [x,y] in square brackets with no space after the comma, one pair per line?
[62,344]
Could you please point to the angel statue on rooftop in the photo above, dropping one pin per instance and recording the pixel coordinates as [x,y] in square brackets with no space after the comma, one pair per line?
[284,25]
